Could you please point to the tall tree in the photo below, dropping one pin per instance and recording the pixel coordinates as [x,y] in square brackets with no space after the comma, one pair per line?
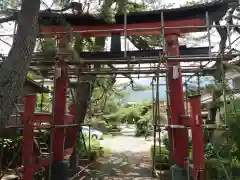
[14,69]
[227,16]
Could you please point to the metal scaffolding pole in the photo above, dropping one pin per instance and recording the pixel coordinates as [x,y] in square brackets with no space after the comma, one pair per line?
[51,132]
[157,104]
[125,32]
[154,138]
[46,61]
[209,34]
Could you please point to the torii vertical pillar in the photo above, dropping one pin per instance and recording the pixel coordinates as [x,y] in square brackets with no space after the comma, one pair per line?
[197,137]
[179,142]
[28,136]
[59,113]
[61,83]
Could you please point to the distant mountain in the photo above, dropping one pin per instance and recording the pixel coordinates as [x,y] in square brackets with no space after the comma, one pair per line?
[136,96]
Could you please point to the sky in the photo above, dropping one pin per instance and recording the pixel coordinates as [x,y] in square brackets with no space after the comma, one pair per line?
[9,29]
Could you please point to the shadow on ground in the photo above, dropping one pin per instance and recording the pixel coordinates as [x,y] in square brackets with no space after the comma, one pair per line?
[123,166]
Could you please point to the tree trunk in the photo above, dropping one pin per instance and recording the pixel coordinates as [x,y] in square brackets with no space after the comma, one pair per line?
[83,96]
[84,92]
[13,70]
[218,76]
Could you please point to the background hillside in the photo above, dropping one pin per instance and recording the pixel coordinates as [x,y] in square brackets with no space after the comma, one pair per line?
[136,96]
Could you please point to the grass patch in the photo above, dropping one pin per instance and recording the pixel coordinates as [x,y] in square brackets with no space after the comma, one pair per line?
[161,156]
[94,149]
[106,152]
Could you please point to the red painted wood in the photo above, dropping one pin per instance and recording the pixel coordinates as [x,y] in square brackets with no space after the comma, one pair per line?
[40,117]
[59,114]
[28,134]
[176,96]
[186,121]
[47,117]
[41,164]
[97,31]
[60,118]
[197,136]
[68,119]
[46,161]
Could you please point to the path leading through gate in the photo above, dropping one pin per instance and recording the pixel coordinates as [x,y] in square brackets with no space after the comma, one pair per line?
[130,160]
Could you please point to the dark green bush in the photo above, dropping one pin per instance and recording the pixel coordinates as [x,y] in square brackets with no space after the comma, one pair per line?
[141,128]
[88,148]
[10,148]
[160,155]
[215,170]
[166,142]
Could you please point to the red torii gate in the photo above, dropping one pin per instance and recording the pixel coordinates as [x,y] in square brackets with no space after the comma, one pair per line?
[172,31]
[180,141]
[61,120]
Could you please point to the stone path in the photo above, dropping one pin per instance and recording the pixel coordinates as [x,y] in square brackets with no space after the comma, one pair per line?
[123,166]
[130,160]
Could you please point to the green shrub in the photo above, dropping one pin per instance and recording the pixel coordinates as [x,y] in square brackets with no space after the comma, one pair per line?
[166,142]
[85,149]
[190,154]
[235,163]
[9,148]
[235,166]
[141,128]
[140,132]
[214,168]
[161,156]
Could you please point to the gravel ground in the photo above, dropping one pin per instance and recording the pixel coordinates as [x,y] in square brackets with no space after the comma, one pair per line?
[130,160]
[127,143]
